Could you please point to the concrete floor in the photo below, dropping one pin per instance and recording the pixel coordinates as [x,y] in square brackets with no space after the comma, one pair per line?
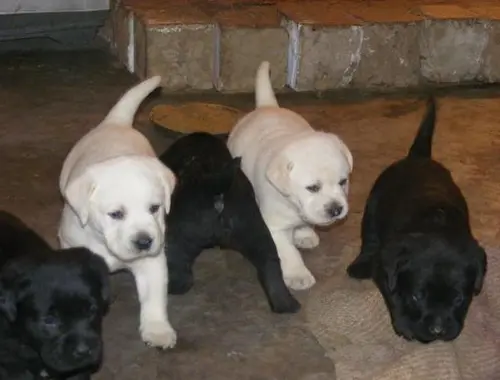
[225,328]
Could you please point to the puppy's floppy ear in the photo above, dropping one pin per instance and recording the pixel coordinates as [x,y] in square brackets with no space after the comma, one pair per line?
[278,173]
[344,149]
[168,180]
[395,257]
[7,302]
[11,276]
[78,194]
[480,265]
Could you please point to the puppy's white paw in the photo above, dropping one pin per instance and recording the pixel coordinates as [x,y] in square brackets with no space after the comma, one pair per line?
[305,238]
[159,334]
[299,278]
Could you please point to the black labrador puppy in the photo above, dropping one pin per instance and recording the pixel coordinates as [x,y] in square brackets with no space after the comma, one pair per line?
[212,205]
[52,303]
[417,244]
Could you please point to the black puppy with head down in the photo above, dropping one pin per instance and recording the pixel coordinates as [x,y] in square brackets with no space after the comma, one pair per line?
[417,244]
[214,204]
[52,304]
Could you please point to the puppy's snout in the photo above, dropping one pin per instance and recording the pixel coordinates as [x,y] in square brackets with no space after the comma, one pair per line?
[335,209]
[143,242]
[82,350]
[437,327]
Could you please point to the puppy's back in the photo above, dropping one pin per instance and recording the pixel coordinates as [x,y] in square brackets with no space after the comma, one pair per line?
[113,137]
[201,159]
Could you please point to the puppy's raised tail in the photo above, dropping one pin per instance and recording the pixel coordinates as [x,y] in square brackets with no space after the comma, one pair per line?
[264,94]
[422,145]
[125,109]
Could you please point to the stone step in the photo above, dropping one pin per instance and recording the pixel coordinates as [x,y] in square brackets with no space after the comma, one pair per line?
[312,45]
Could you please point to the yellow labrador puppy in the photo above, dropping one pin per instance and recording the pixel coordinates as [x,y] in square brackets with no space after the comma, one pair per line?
[116,193]
[300,176]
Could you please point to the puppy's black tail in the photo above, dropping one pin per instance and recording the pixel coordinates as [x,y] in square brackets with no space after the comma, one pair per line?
[422,145]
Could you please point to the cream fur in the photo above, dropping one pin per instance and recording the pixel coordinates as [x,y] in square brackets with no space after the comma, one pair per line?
[112,170]
[283,155]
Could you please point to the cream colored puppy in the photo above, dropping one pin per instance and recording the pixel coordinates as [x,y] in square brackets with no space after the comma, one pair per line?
[116,193]
[300,176]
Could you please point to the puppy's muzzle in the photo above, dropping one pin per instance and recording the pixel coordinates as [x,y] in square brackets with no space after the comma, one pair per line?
[74,353]
[143,242]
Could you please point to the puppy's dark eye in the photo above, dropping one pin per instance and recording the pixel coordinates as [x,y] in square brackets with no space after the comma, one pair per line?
[343,182]
[117,215]
[50,321]
[154,209]
[92,309]
[313,188]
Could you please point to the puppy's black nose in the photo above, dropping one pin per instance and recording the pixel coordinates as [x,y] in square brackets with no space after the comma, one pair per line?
[143,242]
[437,327]
[335,210]
[81,350]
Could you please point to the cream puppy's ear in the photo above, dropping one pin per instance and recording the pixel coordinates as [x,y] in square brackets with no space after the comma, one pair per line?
[78,194]
[169,181]
[278,173]
[344,149]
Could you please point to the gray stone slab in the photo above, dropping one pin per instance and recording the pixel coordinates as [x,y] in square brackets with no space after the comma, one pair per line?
[121,34]
[322,58]
[389,56]
[490,71]
[181,54]
[452,50]
[239,52]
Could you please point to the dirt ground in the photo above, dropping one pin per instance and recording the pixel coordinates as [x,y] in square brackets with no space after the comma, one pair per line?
[225,329]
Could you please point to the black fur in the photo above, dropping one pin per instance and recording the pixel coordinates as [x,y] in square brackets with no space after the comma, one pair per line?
[18,361]
[51,303]
[214,204]
[417,244]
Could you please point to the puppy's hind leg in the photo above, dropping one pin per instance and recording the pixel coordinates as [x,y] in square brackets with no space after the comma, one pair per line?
[181,255]
[361,267]
[251,237]
[305,237]
[151,277]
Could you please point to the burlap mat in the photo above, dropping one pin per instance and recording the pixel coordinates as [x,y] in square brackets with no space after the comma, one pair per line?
[352,323]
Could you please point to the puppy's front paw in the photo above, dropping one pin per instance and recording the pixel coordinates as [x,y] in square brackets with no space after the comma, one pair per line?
[159,334]
[298,278]
[305,238]
[361,268]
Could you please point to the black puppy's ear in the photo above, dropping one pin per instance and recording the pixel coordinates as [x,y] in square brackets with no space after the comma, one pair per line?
[98,264]
[395,256]
[11,276]
[480,265]
[7,302]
